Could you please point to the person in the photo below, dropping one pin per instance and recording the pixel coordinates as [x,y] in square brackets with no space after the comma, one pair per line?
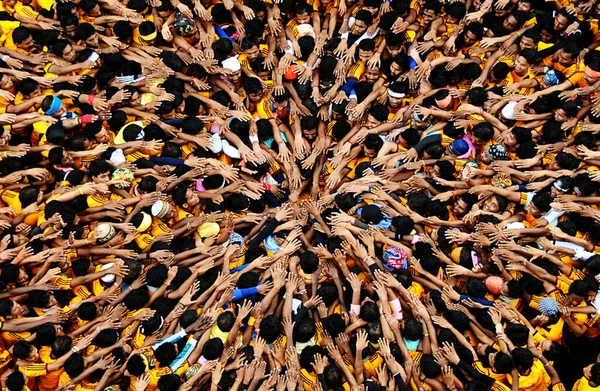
[299,195]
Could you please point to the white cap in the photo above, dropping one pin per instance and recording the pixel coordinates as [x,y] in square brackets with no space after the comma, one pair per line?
[508,111]
[109,278]
[117,156]
[160,209]
[216,146]
[515,225]
[232,64]
[104,232]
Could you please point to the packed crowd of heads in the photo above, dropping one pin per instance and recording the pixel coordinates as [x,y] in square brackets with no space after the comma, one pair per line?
[357,195]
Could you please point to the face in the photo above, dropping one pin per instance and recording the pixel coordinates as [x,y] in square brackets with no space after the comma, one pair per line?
[560,115]
[26,44]
[470,38]
[5,138]
[394,50]
[60,111]
[524,6]
[70,30]
[589,80]
[560,22]
[102,178]
[460,207]
[303,18]
[394,102]
[6,83]
[370,153]
[575,300]
[532,209]
[395,69]
[360,27]
[95,12]
[364,55]
[252,53]
[338,116]
[428,16]
[527,43]
[92,41]
[501,13]
[23,277]
[510,23]
[192,198]
[491,205]
[372,10]
[17,310]
[372,74]
[372,122]
[280,105]
[34,355]
[102,135]
[266,75]
[565,59]
[235,76]
[309,134]
[546,36]
[67,160]
[135,99]
[521,66]
[69,54]
[555,192]
[255,97]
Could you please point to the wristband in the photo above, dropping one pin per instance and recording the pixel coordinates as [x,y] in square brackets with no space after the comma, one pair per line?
[251,321]
[44,321]
[85,119]
[522,188]
[266,186]
[90,99]
[4,57]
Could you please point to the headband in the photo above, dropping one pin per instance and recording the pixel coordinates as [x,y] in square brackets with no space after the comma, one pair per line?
[558,184]
[589,72]
[443,103]
[55,106]
[149,37]
[397,95]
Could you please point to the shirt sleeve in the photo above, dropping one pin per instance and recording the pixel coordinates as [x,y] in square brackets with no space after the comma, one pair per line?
[172,338]
[185,353]
[239,294]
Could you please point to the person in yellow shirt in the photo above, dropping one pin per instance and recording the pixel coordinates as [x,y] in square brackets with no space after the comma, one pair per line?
[532,375]
[590,380]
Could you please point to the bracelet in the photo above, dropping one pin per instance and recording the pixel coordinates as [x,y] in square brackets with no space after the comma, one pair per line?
[75,349]
[44,321]
[18,259]
[90,99]
[4,57]
[280,142]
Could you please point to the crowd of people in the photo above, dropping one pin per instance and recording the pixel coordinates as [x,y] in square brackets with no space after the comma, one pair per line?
[357,195]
